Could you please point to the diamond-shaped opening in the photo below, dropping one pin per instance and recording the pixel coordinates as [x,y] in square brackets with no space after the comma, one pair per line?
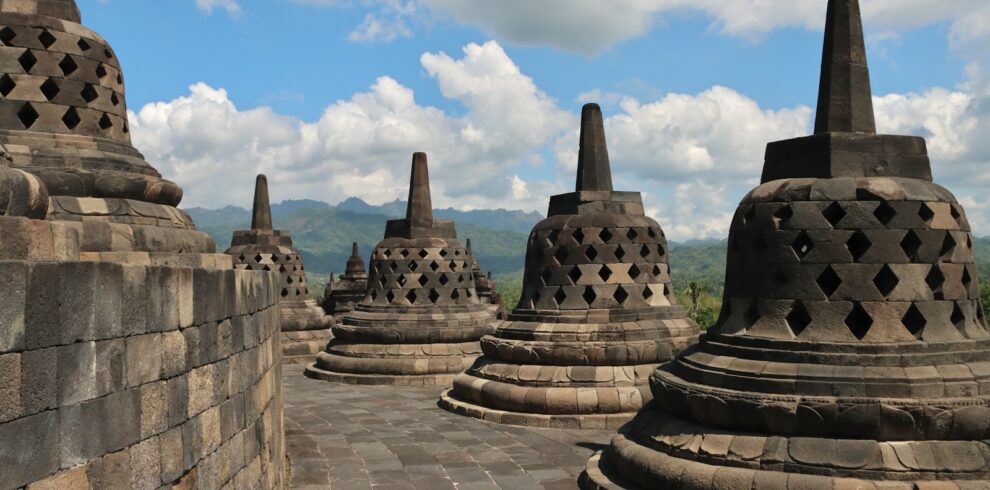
[444,253]
[257,258]
[387,253]
[393,266]
[591,253]
[634,272]
[89,93]
[456,295]
[71,119]
[859,322]
[101,71]
[644,251]
[105,122]
[281,269]
[453,266]
[619,252]
[958,318]
[760,245]
[46,38]
[661,251]
[413,266]
[783,213]
[288,280]
[423,253]
[27,60]
[752,314]
[559,296]
[7,35]
[605,273]
[404,253]
[108,53]
[423,280]
[374,295]
[884,213]
[434,266]
[27,115]
[275,258]
[926,213]
[120,79]
[7,85]
[858,245]
[589,295]
[605,235]
[401,280]
[620,295]
[631,234]
[966,278]
[546,276]
[750,215]
[954,209]
[83,45]
[914,321]
[561,255]
[285,292]
[834,213]
[886,281]
[468,293]
[390,296]
[651,232]
[935,281]
[434,296]
[382,281]
[443,279]
[68,65]
[266,268]
[647,292]
[798,319]
[948,245]
[114,99]
[911,244]
[574,274]
[829,281]
[803,245]
[578,235]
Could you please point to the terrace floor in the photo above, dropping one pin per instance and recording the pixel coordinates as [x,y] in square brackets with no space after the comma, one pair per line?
[387,437]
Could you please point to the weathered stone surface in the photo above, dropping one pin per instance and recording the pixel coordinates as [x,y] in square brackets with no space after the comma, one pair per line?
[421,318]
[852,341]
[347,290]
[597,311]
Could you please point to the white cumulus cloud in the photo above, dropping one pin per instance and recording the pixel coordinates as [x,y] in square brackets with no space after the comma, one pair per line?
[230,6]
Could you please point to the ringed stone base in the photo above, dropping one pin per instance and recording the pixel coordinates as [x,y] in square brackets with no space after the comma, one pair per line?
[448,401]
[314,372]
[301,347]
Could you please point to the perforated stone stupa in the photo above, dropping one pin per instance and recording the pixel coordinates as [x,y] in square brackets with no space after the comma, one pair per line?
[852,350]
[305,326]
[596,315]
[349,289]
[421,319]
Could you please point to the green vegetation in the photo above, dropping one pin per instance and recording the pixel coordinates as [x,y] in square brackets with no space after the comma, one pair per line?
[509,286]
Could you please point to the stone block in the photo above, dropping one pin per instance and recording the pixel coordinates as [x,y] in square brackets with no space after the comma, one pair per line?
[134,300]
[29,449]
[111,471]
[76,373]
[154,408]
[171,455]
[10,387]
[14,277]
[178,400]
[144,359]
[39,379]
[146,465]
[94,428]
[173,354]
[41,306]
[73,479]
[192,338]
[111,357]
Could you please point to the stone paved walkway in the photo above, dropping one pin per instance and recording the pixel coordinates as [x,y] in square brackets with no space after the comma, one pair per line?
[384,437]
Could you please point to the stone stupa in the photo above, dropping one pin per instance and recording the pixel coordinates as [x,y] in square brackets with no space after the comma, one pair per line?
[305,326]
[852,350]
[349,289]
[485,285]
[421,319]
[597,312]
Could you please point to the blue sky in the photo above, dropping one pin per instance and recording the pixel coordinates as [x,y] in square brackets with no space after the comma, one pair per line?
[221,89]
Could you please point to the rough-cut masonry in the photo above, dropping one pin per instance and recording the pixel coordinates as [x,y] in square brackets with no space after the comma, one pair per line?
[420,322]
[349,289]
[597,312]
[131,354]
[852,351]
[485,286]
[305,326]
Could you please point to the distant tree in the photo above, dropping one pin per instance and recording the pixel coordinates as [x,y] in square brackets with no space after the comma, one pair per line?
[695,292]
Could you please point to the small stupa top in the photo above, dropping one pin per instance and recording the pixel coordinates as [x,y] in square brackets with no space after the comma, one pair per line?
[593,189]
[261,232]
[355,264]
[845,143]
[419,222]
[63,114]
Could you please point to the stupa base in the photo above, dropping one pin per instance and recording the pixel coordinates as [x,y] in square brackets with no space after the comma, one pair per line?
[301,347]
[578,421]
[314,372]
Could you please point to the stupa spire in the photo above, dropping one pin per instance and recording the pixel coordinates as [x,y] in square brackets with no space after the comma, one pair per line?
[594,172]
[419,209]
[60,9]
[261,215]
[845,99]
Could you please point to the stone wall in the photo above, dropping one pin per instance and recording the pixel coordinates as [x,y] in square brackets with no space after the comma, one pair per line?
[134,369]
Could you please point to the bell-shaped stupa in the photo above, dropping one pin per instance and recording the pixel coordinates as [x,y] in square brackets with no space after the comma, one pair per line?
[852,350]
[305,326]
[421,319]
[349,289]
[597,312]
[63,117]
[485,285]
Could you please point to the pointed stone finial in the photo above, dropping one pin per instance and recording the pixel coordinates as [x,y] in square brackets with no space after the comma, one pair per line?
[594,172]
[845,99]
[469,247]
[60,9]
[354,250]
[419,210]
[261,215]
